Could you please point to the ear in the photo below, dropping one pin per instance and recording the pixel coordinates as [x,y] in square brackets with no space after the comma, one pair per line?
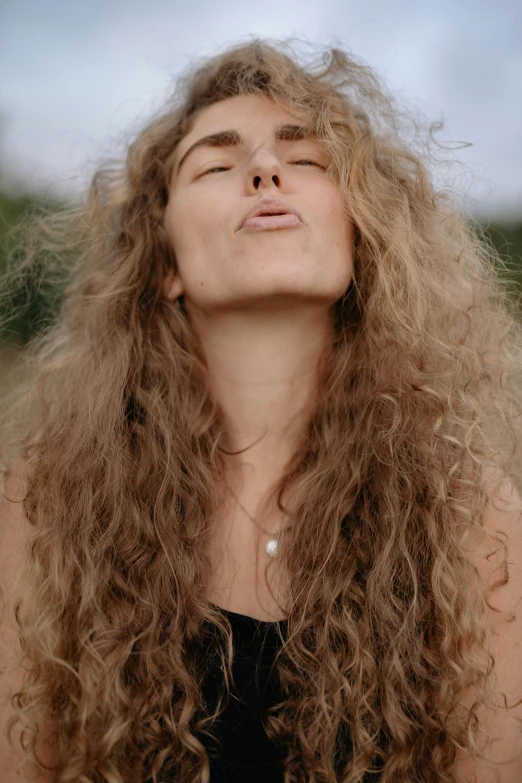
[172,286]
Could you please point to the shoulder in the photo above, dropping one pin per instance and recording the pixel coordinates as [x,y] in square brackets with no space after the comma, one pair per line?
[14,525]
[14,557]
[500,567]
[14,536]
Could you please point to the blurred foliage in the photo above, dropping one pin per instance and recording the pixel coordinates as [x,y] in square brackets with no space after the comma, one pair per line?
[506,237]
[34,302]
[31,302]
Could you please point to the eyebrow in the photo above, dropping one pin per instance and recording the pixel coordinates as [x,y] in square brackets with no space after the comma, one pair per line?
[231,138]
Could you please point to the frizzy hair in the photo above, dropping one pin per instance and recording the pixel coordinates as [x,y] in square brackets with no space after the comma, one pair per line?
[416,397]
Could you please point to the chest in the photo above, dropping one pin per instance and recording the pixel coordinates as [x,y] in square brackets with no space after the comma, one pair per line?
[244,578]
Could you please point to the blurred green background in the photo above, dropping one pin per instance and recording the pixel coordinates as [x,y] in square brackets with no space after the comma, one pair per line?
[32,302]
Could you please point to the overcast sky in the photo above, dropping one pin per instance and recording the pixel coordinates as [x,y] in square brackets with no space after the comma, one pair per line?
[77,76]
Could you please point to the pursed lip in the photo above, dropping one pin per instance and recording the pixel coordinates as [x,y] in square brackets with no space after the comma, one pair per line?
[270,206]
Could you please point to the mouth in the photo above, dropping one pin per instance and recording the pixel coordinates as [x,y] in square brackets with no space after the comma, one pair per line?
[271,222]
[271,213]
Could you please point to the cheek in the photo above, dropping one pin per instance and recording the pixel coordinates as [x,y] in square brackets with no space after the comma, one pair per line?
[349,232]
[170,224]
[193,241]
[180,228]
[339,227]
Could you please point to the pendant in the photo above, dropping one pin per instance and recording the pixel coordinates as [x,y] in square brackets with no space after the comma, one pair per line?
[271,547]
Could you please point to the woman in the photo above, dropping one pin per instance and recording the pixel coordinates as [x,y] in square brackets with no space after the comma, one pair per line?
[273,436]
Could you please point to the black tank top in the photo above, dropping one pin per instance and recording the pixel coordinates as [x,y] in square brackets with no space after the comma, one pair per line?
[245,754]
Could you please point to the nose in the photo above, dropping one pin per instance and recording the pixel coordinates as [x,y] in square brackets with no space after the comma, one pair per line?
[264,171]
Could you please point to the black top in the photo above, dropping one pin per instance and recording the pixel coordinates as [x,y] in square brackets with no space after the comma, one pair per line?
[246,754]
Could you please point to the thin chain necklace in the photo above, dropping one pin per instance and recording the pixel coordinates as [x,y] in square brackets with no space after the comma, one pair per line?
[272,545]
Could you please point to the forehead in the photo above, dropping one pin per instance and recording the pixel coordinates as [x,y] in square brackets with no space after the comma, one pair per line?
[249,114]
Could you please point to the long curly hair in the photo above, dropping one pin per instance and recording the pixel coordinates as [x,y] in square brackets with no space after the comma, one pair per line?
[121,441]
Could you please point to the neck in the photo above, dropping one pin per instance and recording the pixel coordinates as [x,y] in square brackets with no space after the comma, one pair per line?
[263,372]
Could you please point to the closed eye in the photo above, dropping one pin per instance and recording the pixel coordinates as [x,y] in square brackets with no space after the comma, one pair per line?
[303,160]
[312,162]
[216,168]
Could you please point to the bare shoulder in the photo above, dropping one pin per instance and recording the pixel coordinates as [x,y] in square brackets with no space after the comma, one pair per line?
[14,539]
[501,567]
[14,526]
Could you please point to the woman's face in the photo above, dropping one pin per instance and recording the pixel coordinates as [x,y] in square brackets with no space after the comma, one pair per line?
[222,265]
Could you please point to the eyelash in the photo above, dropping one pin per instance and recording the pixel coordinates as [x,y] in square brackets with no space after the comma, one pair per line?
[302,160]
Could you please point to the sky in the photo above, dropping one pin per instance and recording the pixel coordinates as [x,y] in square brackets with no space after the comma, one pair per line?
[79,77]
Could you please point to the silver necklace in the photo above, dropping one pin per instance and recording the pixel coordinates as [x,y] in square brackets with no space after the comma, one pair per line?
[272,545]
